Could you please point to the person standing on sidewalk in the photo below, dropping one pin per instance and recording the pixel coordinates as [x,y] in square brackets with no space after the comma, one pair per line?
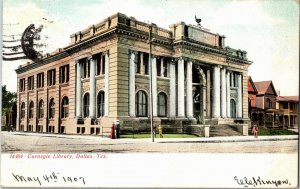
[255,130]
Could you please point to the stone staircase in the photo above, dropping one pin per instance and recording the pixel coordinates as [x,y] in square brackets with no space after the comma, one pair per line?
[223,130]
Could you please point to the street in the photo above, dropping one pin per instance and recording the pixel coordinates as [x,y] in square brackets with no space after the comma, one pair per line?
[31,142]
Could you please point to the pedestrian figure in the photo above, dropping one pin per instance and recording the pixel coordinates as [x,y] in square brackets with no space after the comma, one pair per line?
[255,130]
[112,131]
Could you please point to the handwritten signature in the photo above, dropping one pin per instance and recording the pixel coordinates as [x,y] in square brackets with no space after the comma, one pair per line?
[48,178]
[255,181]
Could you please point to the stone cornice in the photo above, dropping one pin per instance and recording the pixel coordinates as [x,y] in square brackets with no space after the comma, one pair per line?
[237,60]
[78,46]
[144,36]
[204,47]
[135,35]
[42,62]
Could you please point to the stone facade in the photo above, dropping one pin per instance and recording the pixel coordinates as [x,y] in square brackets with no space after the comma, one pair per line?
[105,75]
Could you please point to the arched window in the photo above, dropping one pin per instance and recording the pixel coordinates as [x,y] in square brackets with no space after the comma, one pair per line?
[141,104]
[51,108]
[65,107]
[31,110]
[23,110]
[232,108]
[41,109]
[162,104]
[100,104]
[86,102]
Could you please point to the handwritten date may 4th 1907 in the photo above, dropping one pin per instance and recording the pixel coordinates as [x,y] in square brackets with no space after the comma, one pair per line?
[49,178]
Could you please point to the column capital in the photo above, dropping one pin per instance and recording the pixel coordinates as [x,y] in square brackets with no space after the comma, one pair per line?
[184,58]
[177,59]
[154,56]
[77,61]
[105,52]
[132,52]
[191,60]
[89,58]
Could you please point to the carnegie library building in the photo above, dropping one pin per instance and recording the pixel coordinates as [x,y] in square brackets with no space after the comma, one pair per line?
[109,71]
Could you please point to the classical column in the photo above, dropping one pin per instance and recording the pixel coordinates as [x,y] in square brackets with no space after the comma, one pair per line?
[189,89]
[154,86]
[239,97]
[216,92]
[78,90]
[228,93]
[132,57]
[106,83]
[208,86]
[223,93]
[180,88]
[92,88]
[172,90]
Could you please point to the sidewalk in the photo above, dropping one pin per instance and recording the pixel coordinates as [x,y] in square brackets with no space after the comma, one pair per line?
[163,140]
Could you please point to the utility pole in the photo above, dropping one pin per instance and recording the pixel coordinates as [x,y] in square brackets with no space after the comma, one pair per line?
[150,86]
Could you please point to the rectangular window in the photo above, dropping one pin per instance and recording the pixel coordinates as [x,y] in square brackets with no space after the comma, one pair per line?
[285,105]
[22,85]
[100,64]
[165,71]
[233,79]
[291,106]
[146,63]
[103,65]
[158,67]
[51,77]
[64,74]
[86,69]
[40,80]
[138,63]
[30,83]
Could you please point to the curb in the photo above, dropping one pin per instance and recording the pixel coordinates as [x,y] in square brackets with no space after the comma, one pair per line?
[168,140]
[228,141]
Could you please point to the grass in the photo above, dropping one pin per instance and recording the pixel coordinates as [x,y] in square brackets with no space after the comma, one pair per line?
[157,136]
[266,132]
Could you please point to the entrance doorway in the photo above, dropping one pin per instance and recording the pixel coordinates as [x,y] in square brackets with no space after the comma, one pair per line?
[199,93]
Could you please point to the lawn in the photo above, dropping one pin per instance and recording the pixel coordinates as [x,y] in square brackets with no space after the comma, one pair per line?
[157,136]
[266,131]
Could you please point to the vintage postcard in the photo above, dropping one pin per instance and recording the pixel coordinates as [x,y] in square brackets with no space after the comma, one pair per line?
[149,94]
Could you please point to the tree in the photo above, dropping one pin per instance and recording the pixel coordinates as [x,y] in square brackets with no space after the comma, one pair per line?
[8,100]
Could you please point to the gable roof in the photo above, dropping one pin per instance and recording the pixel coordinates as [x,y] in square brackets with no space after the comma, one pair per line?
[251,86]
[264,87]
[288,98]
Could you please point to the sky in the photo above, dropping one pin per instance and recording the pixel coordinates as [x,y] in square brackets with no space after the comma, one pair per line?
[267,29]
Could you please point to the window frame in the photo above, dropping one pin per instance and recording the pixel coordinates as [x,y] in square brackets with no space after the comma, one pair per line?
[51,108]
[141,104]
[22,114]
[100,104]
[31,110]
[86,108]
[163,96]
[65,107]
[41,109]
